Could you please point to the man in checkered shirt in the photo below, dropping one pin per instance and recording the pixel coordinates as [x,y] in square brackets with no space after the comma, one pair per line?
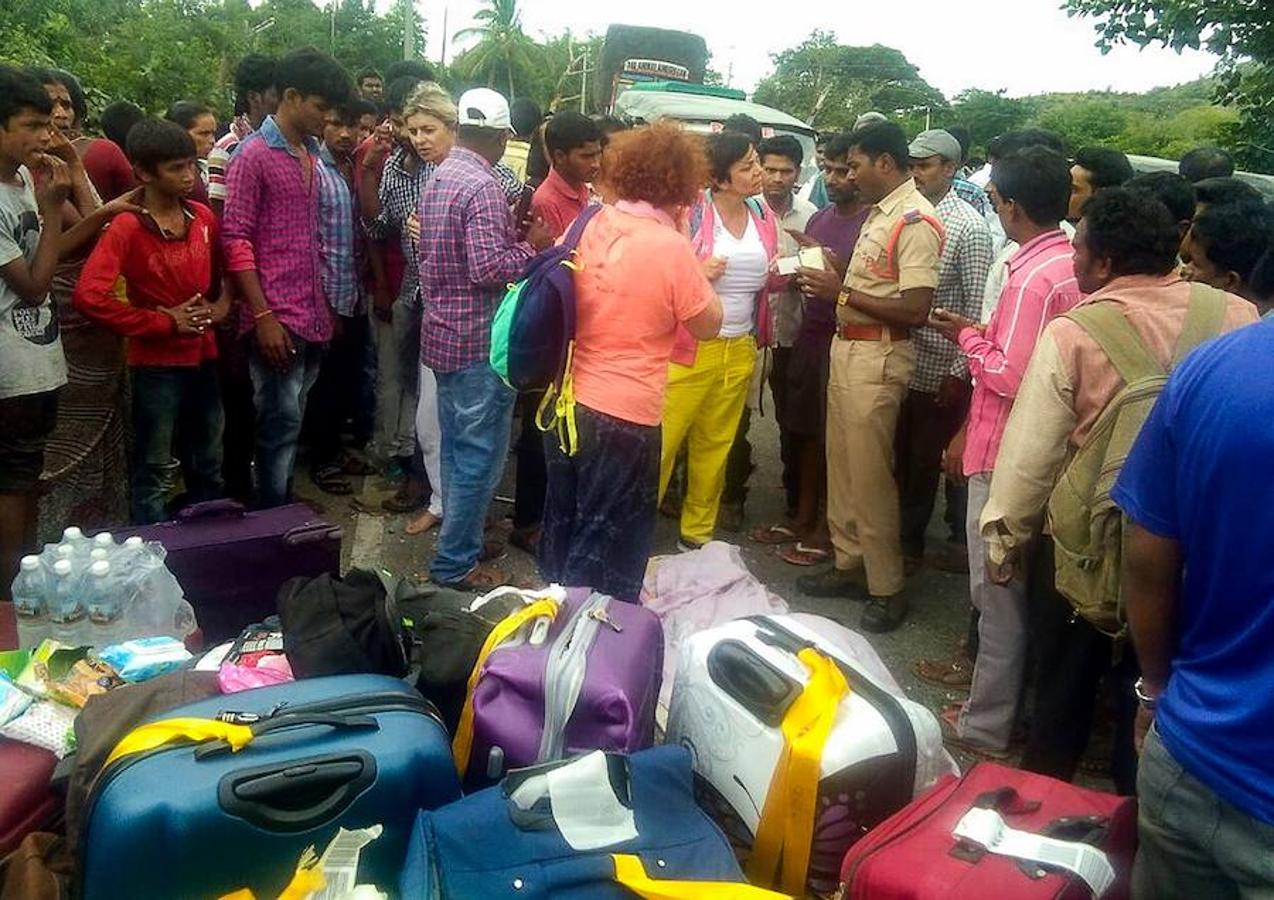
[938,396]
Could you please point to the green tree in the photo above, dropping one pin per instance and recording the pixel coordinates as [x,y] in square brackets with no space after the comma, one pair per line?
[987,114]
[829,84]
[1241,32]
[504,56]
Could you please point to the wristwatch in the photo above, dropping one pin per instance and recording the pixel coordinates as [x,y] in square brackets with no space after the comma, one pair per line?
[1148,703]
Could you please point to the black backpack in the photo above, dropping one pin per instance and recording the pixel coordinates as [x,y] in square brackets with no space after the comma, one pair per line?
[343,626]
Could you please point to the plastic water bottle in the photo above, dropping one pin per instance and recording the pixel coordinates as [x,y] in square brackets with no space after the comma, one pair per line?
[102,598]
[66,611]
[73,536]
[104,540]
[99,554]
[29,590]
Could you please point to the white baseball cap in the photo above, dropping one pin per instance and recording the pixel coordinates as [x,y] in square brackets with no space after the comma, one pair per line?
[484,108]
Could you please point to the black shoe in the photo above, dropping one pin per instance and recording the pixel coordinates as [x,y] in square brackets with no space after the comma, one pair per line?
[884,614]
[833,583]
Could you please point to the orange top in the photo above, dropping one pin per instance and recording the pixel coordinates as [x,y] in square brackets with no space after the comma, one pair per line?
[639,279]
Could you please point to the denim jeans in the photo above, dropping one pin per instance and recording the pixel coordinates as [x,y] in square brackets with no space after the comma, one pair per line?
[279,397]
[167,399]
[475,412]
[1193,844]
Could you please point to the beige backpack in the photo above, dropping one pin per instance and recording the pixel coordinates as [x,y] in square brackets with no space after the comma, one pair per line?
[1086,524]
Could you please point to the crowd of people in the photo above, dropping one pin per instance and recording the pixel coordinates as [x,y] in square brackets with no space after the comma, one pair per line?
[324,275]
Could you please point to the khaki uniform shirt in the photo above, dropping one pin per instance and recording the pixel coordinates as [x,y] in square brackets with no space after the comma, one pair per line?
[917,254]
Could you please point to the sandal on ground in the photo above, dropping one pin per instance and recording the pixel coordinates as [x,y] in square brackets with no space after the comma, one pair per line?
[949,720]
[425,522]
[801,555]
[330,479]
[481,578]
[357,466]
[527,538]
[773,536]
[956,672]
[409,498]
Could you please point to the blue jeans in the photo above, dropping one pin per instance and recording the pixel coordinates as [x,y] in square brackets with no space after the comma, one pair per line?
[167,399]
[1193,844]
[279,398]
[475,413]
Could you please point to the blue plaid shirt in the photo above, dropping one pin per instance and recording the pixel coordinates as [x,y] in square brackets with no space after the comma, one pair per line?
[339,239]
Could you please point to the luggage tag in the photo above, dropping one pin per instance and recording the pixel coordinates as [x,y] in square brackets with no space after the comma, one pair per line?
[987,828]
[587,799]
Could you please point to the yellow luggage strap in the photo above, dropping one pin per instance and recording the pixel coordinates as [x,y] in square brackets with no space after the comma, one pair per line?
[172,731]
[630,873]
[561,400]
[785,834]
[462,744]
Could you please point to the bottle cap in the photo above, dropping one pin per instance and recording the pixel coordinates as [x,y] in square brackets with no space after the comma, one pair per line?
[104,539]
[72,534]
[65,551]
[134,542]
[30,563]
[100,569]
[62,567]
[98,554]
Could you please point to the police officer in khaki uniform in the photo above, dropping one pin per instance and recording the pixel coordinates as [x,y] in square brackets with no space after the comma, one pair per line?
[887,291]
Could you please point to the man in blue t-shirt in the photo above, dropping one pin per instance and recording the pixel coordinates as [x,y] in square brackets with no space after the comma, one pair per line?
[1199,591]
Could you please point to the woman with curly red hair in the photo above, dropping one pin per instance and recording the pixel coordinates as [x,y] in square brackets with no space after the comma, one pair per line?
[638,281]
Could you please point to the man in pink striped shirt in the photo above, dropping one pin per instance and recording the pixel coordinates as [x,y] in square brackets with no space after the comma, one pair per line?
[1031,191]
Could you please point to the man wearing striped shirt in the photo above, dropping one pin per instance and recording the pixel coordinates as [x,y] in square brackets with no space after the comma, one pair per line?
[1031,192]
[937,398]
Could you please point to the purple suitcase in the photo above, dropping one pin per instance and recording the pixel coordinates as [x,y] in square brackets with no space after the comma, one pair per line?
[591,684]
[231,562]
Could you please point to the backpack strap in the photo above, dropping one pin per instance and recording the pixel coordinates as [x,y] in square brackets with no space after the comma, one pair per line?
[1105,324]
[1204,319]
[576,231]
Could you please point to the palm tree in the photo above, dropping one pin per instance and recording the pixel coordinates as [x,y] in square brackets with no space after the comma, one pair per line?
[503,47]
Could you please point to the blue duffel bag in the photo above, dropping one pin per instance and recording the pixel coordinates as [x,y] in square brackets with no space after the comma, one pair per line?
[228,792]
[510,840]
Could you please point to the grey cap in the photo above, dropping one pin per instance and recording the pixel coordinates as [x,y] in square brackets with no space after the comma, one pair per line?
[936,142]
[868,118]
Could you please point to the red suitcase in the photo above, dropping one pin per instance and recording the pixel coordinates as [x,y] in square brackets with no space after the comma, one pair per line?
[914,854]
[231,562]
[27,803]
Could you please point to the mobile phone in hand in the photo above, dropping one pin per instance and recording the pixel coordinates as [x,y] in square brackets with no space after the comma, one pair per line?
[522,211]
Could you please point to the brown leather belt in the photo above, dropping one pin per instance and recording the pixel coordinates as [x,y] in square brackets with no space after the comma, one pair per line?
[871,333]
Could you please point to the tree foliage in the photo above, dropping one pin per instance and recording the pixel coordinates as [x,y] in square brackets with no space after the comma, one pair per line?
[153,52]
[1241,32]
[829,85]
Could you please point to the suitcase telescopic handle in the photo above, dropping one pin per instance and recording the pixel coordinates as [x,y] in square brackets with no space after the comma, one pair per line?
[286,721]
[298,795]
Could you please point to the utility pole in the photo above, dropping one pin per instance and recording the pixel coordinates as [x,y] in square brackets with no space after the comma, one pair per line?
[583,83]
[409,29]
[446,35]
[331,40]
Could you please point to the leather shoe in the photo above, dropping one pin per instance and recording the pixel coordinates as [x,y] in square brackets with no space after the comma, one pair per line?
[833,583]
[884,614]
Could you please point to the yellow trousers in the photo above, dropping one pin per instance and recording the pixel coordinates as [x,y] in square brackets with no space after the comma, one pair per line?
[702,406]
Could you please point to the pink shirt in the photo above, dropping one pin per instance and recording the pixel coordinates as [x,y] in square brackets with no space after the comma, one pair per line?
[558,203]
[639,279]
[1041,285]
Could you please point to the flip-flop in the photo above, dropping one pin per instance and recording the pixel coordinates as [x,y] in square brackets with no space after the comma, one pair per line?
[331,480]
[949,673]
[948,721]
[773,536]
[800,555]
[413,527]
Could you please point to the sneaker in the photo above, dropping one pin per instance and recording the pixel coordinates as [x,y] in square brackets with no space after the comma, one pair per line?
[842,583]
[730,517]
[685,545]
